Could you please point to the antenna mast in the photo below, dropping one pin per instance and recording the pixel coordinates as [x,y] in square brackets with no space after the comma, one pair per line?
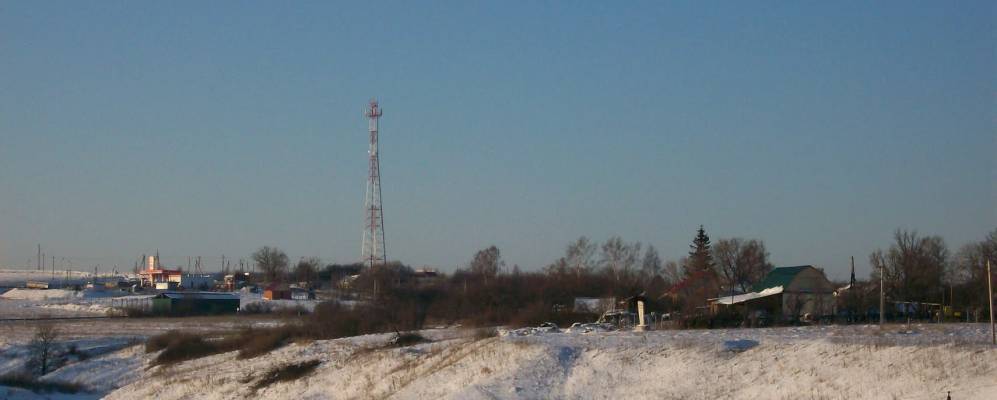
[372,253]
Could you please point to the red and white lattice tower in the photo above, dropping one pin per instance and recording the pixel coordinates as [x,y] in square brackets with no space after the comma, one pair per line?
[373,253]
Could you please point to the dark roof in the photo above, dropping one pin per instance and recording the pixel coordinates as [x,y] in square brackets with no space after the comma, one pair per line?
[781,276]
[199,295]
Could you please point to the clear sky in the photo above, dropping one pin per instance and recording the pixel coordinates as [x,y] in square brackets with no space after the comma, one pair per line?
[210,128]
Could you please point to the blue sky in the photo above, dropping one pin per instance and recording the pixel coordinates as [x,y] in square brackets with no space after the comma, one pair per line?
[214,128]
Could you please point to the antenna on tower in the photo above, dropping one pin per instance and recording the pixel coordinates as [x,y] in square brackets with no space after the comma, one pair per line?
[372,252]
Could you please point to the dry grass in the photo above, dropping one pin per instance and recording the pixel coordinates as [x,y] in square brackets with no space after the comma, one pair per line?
[287,372]
[182,346]
[189,347]
[162,341]
[485,333]
[255,343]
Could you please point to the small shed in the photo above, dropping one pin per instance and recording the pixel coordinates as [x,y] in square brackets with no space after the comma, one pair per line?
[195,303]
[277,292]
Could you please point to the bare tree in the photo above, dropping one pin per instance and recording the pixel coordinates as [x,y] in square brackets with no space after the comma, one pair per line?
[272,261]
[486,262]
[307,269]
[725,254]
[968,265]
[579,255]
[43,350]
[650,265]
[619,257]
[558,268]
[913,268]
[671,272]
[967,272]
[755,258]
[741,262]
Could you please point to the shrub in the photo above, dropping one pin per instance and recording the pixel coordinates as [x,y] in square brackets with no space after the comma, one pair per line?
[29,382]
[180,346]
[287,372]
[185,348]
[74,351]
[485,333]
[258,342]
[332,320]
[408,339]
[162,340]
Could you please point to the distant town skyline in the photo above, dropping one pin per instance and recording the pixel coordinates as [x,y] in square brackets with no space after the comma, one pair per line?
[210,129]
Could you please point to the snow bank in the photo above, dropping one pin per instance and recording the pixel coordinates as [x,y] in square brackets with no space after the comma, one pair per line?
[82,308]
[782,363]
[41,294]
[12,393]
[35,303]
[60,294]
[111,369]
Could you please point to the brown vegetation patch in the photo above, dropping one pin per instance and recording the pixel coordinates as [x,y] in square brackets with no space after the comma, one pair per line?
[287,372]
[26,381]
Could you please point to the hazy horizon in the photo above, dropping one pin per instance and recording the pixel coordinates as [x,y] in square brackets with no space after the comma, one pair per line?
[209,129]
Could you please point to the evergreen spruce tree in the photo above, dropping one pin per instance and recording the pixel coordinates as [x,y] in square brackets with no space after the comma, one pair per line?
[700,256]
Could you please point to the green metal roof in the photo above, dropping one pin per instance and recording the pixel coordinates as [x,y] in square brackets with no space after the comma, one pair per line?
[781,276]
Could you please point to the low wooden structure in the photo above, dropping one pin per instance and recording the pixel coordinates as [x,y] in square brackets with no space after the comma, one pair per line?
[195,303]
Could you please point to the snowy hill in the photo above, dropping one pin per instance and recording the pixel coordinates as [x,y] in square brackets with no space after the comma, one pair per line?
[831,362]
[786,363]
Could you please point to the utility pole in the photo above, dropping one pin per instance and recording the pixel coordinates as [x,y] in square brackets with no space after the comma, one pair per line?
[39,260]
[990,299]
[882,296]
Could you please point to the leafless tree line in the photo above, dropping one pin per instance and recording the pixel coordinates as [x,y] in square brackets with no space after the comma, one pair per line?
[921,268]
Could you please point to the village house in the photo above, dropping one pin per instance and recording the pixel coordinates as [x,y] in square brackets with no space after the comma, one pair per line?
[786,294]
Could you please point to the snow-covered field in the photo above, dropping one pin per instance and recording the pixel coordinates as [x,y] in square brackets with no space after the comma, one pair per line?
[18,302]
[831,362]
[33,303]
[17,278]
